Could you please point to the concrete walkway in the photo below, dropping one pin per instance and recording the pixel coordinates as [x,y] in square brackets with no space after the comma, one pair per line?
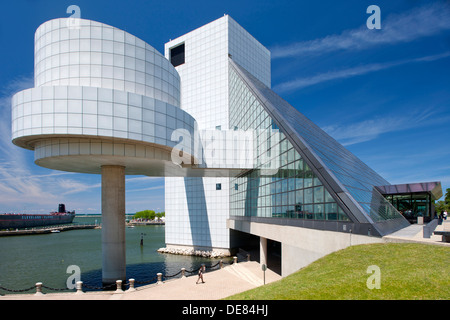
[218,284]
[414,233]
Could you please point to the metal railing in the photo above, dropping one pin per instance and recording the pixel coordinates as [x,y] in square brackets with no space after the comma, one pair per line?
[429,228]
[119,285]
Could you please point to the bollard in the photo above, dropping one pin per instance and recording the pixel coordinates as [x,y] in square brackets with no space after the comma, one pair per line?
[234,259]
[131,288]
[119,286]
[39,288]
[183,272]
[248,256]
[221,264]
[79,287]
[159,278]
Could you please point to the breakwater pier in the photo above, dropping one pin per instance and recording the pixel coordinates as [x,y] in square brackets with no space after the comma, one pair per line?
[53,229]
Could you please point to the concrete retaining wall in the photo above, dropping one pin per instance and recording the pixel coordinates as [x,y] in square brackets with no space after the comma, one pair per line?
[301,246]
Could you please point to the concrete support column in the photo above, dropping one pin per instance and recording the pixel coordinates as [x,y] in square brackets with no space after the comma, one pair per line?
[262,251]
[113,224]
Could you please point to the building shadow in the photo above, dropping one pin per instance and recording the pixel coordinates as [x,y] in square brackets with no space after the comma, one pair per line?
[198,214]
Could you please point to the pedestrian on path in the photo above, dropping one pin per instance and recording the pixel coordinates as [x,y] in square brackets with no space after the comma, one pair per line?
[200,274]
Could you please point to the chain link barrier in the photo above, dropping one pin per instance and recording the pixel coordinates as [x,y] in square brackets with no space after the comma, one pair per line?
[146,282]
[55,289]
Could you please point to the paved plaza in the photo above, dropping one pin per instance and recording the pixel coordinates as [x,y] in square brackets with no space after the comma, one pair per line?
[218,284]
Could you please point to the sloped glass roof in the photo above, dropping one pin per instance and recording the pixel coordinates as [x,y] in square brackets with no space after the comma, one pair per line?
[350,178]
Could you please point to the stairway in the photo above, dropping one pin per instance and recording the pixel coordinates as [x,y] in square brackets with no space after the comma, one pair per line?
[252,273]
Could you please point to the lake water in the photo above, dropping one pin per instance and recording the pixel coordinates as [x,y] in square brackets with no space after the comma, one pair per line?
[25,260]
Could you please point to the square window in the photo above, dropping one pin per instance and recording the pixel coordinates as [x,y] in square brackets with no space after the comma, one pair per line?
[177,55]
[218,186]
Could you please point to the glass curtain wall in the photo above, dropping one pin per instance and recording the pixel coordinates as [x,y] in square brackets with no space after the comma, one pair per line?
[412,205]
[292,191]
[339,163]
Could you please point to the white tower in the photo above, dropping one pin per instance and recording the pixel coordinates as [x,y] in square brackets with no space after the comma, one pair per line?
[197,208]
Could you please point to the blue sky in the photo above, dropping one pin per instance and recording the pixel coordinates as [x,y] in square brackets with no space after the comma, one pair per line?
[384,94]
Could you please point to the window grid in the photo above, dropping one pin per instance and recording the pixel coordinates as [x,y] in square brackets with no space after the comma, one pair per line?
[294,191]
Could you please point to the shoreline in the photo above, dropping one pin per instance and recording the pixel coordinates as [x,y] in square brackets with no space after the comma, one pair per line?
[47,230]
[196,253]
[145,224]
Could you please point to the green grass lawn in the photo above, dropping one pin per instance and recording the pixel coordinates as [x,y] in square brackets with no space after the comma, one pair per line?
[408,271]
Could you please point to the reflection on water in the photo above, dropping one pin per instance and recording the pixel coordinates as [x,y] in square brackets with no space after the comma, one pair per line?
[146,273]
[25,260]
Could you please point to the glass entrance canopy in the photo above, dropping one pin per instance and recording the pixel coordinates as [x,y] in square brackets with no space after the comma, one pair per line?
[413,200]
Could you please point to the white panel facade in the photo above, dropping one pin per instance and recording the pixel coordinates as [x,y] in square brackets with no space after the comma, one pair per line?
[96,112]
[99,55]
[101,83]
[197,208]
[248,52]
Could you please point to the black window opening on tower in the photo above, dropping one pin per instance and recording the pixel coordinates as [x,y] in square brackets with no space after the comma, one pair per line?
[177,55]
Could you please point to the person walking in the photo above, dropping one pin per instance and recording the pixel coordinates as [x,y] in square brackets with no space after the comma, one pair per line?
[200,274]
[445,215]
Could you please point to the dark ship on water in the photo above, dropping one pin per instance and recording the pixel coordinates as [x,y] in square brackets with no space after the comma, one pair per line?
[20,220]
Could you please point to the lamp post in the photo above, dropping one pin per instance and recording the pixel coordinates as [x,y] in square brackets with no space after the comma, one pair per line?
[264,268]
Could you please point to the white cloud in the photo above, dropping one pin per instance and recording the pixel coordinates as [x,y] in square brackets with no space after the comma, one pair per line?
[416,23]
[20,186]
[7,149]
[147,189]
[144,179]
[351,72]
[73,186]
[367,130]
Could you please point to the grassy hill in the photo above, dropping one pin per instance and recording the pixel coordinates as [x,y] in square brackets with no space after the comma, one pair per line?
[408,271]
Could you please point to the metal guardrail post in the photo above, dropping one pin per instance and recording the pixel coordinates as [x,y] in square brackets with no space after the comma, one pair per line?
[38,288]
[119,289]
[79,287]
[119,286]
[159,274]
[131,288]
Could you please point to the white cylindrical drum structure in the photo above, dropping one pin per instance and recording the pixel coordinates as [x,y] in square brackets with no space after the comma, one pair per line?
[104,102]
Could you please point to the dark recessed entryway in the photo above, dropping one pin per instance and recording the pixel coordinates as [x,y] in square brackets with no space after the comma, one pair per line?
[274,256]
[249,244]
